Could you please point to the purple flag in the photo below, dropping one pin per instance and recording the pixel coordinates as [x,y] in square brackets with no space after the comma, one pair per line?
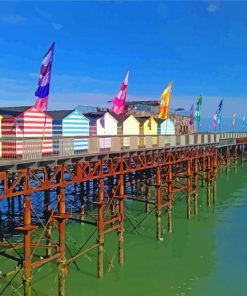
[42,91]
[192,111]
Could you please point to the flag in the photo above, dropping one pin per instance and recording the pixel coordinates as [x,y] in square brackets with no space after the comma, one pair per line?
[215,119]
[217,115]
[191,121]
[219,111]
[119,101]
[233,120]
[197,114]
[42,91]
[165,102]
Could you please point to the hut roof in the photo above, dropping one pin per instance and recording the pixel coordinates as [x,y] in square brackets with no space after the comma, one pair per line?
[159,120]
[119,117]
[142,119]
[59,114]
[93,116]
[13,111]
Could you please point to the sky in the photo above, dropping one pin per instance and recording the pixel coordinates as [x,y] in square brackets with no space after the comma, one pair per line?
[199,45]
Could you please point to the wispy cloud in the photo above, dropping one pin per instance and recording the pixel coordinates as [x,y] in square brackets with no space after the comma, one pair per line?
[57,26]
[14,92]
[13,19]
[212,7]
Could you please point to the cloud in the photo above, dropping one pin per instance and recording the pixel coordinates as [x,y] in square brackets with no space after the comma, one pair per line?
[212,7]
[57,26]
[14,92]
[13,19]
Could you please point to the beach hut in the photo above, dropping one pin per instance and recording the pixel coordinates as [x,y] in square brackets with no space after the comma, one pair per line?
[131,127]
[166,127]
[1,135]
[25,122]
[69,123]
[92,117]
[109,124]
[148,126]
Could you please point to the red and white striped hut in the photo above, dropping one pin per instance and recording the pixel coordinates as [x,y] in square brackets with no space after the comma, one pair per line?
[25,122]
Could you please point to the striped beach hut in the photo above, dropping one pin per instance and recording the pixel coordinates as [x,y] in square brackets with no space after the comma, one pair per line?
[1,135]
[166,127]
[25,122]
[69,123]
[148,126]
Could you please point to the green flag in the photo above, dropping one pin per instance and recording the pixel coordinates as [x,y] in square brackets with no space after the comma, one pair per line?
[197,115]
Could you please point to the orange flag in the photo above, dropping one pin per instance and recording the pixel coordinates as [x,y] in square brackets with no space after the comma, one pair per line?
[165,102]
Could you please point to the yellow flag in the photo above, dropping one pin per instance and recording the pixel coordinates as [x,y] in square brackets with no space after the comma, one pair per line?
[165,102]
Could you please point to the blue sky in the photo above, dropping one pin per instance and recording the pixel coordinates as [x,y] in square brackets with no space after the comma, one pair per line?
[201,46]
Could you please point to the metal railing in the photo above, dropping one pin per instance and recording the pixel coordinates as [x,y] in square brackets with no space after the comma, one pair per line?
[39,148]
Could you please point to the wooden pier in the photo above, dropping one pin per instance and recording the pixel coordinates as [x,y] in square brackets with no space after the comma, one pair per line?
[166,164]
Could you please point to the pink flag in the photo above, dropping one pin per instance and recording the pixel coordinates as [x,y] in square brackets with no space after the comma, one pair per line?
[215,119]
[119,101]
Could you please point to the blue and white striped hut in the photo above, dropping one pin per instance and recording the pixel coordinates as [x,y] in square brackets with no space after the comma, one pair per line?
[70,123]
[166,127]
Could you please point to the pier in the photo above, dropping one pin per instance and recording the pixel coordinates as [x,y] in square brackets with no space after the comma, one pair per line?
[164,164]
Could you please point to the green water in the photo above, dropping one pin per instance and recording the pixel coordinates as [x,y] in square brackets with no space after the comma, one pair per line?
[204,256]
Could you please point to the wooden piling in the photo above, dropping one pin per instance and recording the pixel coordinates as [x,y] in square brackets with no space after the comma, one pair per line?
[121,224]
[158,204]
[169,198]
[188,188]
[101,229]
[27,268]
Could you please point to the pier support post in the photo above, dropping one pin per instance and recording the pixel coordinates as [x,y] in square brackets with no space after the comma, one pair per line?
[148,193]
[121,225]
[27,263]
[236,154]
[47,217]
[169,198]
[214,176]
[195,194]
[158,204]
[62,260]
[203,169]
[241,156]
[101,229]
[228,157]
[188,188]
[208,181]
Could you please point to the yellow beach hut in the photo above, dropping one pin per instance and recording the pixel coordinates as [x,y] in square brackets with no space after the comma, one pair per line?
[148,126]
[131,127]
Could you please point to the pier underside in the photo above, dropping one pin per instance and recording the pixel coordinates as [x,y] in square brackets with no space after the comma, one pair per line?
[40,203]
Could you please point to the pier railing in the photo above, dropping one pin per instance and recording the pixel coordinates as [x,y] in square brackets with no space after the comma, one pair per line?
[36,148]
